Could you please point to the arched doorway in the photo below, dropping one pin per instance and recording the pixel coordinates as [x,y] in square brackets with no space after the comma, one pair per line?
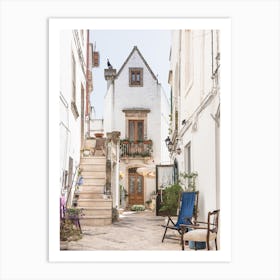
[135,187]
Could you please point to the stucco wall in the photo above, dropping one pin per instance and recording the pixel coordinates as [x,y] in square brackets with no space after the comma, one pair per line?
[150,96]
[191,64]
[126,97]
[70,128]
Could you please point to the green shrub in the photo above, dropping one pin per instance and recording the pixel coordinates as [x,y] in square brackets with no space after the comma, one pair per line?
[170,199]
[136,207]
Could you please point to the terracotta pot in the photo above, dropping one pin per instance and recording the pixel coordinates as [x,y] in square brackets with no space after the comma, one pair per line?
[98,135]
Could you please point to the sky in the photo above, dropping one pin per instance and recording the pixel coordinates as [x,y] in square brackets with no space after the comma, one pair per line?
[117,45]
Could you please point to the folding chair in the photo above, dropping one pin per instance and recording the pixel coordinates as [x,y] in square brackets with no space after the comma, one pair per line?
[188,210]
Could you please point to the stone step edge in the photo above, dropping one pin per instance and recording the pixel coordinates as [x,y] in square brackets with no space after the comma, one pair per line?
[92,157]
[92,177]
[95,199]
[93,163]
[94,208]
[89,183]
[93,185]
[93,160]
[96,217]
[88,192]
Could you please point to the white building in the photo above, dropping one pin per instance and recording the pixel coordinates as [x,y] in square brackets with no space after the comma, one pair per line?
[195,129]
[75,88]
[137,107]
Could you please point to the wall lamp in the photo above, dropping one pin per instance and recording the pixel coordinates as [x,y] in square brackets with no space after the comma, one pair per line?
[171,147]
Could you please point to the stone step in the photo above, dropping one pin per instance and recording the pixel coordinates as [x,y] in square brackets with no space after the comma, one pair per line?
[90,195]
[89,143]
[93,174]
[92,188]
[94,181]
[95,221]
[93,160]
[90,202]
[98,211]
[92,167]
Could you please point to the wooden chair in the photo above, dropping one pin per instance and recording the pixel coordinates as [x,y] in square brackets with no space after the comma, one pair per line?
[206,232]
[187,211]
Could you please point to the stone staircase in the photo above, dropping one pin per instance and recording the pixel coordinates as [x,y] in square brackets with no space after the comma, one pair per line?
[97,208]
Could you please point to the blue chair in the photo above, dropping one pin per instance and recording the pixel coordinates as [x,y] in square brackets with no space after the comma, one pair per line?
[187,204]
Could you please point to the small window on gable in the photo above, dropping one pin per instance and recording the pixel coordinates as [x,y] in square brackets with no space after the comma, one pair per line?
[136,77]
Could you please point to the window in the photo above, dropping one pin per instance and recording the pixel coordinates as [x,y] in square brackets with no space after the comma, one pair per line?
[188,158]
[136,130]
[135,76]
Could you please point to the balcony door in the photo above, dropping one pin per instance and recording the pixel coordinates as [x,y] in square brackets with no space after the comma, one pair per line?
[136,130]
[135,187]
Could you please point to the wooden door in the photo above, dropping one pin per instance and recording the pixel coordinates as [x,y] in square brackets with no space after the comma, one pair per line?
[135,187]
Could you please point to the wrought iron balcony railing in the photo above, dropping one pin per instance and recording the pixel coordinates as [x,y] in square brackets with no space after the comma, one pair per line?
[136,148]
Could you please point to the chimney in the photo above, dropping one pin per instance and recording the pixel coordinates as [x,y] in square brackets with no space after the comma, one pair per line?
[109,75]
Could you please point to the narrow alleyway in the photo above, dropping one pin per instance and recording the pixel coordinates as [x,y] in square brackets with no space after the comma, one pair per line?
[134,231]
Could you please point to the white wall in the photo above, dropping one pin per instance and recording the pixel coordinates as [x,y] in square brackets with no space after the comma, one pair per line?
[191,64]
[150,96]
[165,112]
[147,97]
[70,128]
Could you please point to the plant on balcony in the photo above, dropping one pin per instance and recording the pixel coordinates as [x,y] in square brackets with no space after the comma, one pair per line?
[148,141]
[146,153]
[125,141]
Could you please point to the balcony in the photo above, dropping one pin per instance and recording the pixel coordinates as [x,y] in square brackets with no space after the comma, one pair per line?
[134,149]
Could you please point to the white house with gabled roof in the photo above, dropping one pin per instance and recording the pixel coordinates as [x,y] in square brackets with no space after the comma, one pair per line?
[137,107]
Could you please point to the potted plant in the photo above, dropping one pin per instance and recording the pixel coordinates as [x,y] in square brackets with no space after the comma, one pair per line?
[69,231]
[98,135]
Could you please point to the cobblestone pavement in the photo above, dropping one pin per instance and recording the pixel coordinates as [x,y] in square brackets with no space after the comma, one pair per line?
[134,231]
